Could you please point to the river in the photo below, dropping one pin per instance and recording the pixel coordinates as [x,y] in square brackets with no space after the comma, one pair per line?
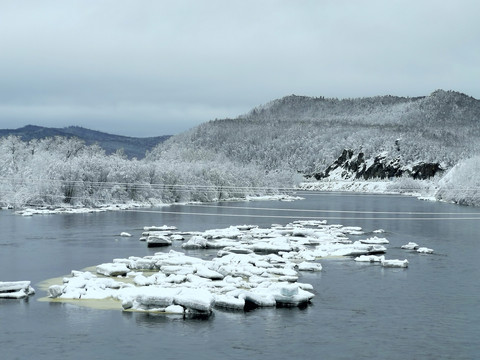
[430,310]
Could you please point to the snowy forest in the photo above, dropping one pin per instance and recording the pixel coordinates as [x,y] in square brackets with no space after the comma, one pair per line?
[270,148]
[60,171]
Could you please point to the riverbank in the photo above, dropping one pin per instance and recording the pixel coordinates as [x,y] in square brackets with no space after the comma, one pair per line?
[69,209]
[421,189]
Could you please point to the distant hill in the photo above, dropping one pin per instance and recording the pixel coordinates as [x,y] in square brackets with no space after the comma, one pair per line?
[132,146]
[306,134]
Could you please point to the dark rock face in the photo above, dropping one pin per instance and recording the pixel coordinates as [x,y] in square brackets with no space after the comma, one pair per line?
[351,166]
[425,170]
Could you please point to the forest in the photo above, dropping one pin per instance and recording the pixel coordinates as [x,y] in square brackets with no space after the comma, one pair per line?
[60,171]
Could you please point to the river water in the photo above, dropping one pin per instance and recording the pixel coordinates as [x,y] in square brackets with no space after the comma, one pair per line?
[429,311]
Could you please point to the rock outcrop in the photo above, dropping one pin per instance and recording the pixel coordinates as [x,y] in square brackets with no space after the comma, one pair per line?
[350,166]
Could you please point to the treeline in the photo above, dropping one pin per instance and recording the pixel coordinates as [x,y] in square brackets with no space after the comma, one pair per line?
[56,171]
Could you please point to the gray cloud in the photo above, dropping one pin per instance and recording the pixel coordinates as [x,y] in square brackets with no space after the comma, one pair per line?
[168,65]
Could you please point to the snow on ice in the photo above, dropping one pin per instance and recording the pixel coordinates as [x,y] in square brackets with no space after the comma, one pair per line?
[253,267]
[15,289]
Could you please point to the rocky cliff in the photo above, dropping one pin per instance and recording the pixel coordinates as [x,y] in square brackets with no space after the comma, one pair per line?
[350,166]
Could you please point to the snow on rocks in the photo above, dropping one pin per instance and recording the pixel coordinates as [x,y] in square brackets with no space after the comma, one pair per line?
[15,289]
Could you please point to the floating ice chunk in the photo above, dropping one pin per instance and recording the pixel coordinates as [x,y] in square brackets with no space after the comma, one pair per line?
[159,228]
[395,263]
[197,281]
[370,258]
[231,232]
[151,298]
[355,249]
[177,269]
[158,240]
[424,250]
[177,237]
[15,289]
[175,309]
[154,279]
[284,271]
[205,272]
[410,246]
[291,295]
[125,234]
[229,302]
[375,240]
[274,245]
[264,299]
[378,231]
[310,222]
[195,299]
[238,249]
[55,291]
[309,266]
[352,230]
[112,269]
[142,263]
[195,242]
[246,227]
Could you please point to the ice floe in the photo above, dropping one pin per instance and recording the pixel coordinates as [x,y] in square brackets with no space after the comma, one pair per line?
[370,258]
[375,240]
[417,248]
[410,246]
[424,250]
[157,240]
[15,289]
[253,267]
[395,263]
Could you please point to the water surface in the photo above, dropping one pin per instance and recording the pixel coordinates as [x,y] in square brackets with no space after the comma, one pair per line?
[429,311]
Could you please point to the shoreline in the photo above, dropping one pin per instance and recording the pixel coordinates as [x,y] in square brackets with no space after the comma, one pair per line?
[72,209]
[426,190]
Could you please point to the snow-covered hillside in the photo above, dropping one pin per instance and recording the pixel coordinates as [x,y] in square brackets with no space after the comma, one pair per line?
[307,134]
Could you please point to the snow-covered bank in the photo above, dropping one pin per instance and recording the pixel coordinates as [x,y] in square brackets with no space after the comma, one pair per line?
[253,267]
[422,189]
[459,185]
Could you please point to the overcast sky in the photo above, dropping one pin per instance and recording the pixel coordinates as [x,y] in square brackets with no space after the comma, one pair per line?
[145,68]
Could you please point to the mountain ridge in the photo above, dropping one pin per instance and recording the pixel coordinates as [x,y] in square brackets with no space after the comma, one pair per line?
[133,147]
